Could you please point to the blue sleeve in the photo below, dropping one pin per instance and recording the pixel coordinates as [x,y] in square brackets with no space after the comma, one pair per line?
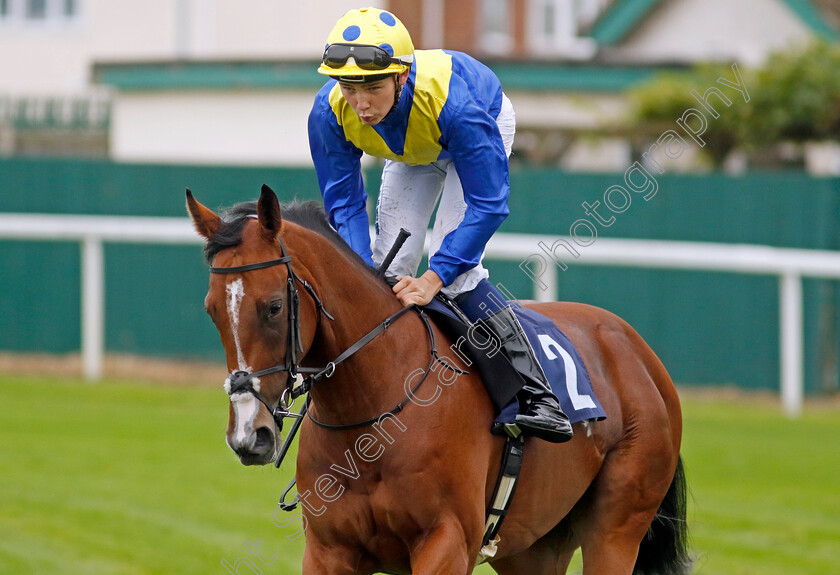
[472,138]
[338,167]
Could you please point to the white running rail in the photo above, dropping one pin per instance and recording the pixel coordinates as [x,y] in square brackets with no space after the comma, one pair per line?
[789,265]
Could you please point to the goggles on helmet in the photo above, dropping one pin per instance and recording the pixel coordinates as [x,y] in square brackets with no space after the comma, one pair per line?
[366,57]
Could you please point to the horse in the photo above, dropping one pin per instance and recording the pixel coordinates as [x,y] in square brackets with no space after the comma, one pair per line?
[406,489]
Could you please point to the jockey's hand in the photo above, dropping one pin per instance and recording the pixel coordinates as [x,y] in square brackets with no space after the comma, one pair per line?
[418,291]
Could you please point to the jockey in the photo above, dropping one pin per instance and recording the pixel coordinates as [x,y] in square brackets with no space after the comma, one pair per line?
[443,125]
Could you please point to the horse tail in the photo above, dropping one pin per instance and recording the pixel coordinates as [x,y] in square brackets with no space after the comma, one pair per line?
[664,549]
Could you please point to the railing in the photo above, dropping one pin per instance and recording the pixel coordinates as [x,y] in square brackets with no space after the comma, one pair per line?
[789,265]
[92,232]
[79,113]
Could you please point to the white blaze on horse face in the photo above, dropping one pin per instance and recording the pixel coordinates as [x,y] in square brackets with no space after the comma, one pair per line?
[245,405]
[245,408]
[235,294]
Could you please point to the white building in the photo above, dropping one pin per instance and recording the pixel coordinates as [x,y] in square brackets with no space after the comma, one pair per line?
[50,102]
[49,46]
[225,81]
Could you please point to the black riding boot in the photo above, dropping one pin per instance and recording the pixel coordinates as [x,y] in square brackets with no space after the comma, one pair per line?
[543,417]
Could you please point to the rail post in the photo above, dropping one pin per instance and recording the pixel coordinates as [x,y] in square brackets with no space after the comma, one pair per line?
[791,341]
[93,307]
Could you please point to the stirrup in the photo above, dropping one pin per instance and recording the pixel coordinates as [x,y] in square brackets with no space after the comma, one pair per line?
[505,429]
[555,431]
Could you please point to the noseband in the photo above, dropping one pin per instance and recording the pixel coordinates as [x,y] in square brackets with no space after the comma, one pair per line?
[243,381]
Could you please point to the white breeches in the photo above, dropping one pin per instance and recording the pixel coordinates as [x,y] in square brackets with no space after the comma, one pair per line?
[407,199]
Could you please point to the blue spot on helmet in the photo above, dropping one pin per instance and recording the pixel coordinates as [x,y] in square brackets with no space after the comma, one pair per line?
[388,19]
[373,27]
[351,33]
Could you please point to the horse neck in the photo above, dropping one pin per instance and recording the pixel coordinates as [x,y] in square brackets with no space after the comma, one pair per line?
[372,378]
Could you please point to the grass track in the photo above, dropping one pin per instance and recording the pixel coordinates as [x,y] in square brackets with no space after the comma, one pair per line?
[135,479]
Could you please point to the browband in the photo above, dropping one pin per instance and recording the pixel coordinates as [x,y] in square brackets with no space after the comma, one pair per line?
[249,267]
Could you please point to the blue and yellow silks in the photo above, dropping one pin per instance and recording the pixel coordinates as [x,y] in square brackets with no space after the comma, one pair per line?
[447,110]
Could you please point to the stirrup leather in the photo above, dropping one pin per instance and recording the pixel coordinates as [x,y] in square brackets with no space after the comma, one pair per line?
[505,326]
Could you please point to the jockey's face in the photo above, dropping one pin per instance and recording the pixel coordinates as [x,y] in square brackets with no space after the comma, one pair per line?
[372,101]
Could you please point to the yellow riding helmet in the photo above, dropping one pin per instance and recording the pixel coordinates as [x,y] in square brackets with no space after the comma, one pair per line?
[370,27]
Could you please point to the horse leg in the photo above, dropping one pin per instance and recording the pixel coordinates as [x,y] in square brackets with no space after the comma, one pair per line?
[626,497]
[545,557]
[614,551]
[326,560]
[443,550]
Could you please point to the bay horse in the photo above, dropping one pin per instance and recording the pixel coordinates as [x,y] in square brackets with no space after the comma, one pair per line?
[406,489]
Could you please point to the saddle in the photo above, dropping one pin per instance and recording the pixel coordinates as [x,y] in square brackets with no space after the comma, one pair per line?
[560,360]
[475,348]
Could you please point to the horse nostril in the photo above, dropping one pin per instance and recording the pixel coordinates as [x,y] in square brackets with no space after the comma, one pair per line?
[265,440]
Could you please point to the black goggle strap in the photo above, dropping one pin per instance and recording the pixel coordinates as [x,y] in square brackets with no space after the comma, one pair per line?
[366,57]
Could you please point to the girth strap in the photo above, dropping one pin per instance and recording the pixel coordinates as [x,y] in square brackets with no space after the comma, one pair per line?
[502,496]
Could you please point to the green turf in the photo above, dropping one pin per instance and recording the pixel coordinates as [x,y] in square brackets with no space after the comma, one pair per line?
[120,478]
[765,490]
[128,479]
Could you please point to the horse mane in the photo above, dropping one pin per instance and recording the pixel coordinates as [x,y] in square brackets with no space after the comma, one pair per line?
[308,214]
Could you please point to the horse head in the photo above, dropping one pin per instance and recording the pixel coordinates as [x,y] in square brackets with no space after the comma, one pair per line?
[263,324]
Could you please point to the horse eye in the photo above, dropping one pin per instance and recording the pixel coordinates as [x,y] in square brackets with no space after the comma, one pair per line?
[275,308]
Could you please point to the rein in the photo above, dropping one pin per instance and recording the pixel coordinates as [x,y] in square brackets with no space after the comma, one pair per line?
[399,407]
[243,381]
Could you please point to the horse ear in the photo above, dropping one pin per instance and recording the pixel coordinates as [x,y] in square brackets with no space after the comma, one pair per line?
[268,212]
[205,221]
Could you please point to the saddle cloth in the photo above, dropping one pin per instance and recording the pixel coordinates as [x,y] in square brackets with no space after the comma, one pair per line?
[563,367]
[560,360]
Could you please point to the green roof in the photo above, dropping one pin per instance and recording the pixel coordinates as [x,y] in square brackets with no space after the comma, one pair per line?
[302,76]
[209,75]
[811,17]
[624,16]
[619,19]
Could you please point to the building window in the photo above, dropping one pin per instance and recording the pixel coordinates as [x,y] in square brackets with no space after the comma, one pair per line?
[588,11]
[26,13]
[36,9]
[555,26]
[495,30]
[558,23]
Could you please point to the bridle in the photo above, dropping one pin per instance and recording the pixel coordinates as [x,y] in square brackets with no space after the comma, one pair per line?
[243,381]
